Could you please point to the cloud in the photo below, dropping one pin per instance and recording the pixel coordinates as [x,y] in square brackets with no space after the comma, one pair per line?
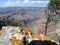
[9,3]
[25,3]
[42,1]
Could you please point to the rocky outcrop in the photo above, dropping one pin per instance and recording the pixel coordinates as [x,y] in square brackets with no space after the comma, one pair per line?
[14,35]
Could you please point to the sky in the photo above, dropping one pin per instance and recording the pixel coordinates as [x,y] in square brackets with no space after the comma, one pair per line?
[24,3]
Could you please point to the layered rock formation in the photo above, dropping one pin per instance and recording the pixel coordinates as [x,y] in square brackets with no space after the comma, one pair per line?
[13,35]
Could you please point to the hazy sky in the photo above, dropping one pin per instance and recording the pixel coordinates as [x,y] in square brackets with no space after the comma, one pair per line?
[23,3]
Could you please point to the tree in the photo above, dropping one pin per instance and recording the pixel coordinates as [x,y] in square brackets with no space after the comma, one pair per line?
[53,13]
[2,23]
[54,8]
[23,23]
[6,20]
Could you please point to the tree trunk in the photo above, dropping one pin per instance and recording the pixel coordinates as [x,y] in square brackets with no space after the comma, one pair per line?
[46,26]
